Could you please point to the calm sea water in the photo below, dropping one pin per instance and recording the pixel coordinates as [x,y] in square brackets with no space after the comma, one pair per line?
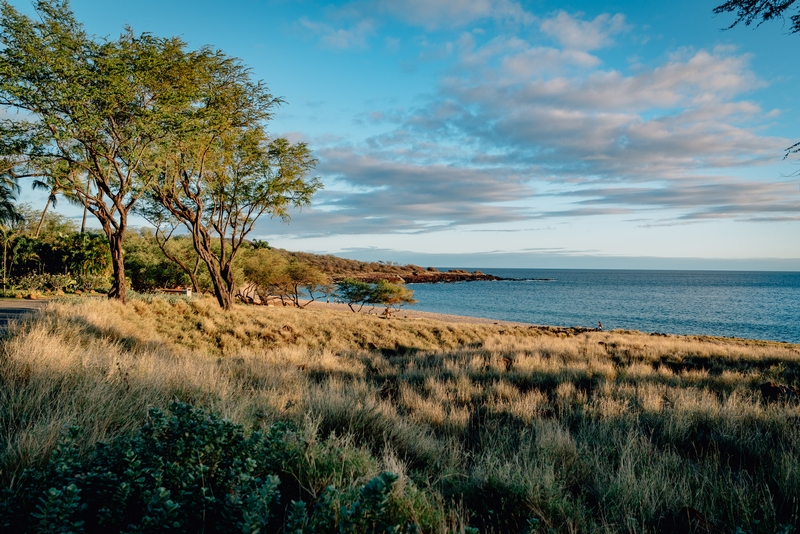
[756,305]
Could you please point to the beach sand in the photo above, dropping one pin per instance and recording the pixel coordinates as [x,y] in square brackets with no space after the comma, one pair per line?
[406,313]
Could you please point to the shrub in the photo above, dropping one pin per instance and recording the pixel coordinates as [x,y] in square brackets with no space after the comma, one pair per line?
[190,471]
[91,282]
[45,282]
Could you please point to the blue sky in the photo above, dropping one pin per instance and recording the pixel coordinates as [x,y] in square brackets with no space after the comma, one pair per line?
[502,133]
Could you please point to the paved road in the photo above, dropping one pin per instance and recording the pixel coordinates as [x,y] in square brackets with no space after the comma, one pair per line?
[16,308]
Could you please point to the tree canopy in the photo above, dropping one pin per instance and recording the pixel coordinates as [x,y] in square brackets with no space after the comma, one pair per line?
[359,293]
[221,171]
[108,121]
[90,113]
[759,11]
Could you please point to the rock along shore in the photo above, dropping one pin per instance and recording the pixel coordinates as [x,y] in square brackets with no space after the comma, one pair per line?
[433,277]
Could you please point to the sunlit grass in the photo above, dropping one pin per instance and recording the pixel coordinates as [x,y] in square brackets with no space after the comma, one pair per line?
[595,432]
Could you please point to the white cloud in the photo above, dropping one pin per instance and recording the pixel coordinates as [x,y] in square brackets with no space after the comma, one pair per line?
[436,14]
[520,131]
[353,37]
[685,114]
[576,34]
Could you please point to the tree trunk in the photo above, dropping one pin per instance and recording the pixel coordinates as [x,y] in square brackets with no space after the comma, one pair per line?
[217,279]
[44,212]
[193,276]
[85,209]
[119,289]
[220,288]
[227,275]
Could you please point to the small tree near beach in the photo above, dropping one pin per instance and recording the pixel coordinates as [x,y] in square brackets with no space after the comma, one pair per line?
[392,296]
[272,277]
[356,294]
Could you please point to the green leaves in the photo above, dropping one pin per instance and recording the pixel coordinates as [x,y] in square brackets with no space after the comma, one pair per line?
[189,471]
[358,293]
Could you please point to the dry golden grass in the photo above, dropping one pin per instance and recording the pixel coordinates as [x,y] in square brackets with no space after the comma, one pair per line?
[596,432]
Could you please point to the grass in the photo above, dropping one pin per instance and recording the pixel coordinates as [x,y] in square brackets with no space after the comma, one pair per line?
[501,427]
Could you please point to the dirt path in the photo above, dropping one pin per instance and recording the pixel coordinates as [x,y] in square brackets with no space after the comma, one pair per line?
[15,308]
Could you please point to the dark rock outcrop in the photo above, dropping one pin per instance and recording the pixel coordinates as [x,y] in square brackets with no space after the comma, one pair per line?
[426,277]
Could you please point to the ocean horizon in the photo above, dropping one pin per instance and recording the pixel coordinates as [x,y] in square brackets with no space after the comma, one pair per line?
[744,304]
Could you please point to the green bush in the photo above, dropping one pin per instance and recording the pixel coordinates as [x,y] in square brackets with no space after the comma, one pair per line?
[44,282]
[92,282]
[189,472]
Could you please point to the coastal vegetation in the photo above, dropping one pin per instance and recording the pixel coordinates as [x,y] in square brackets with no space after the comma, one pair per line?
[500,427]
[143,124]
[205,415]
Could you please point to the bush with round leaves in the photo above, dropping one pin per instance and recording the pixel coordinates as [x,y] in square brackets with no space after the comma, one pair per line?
[186,471]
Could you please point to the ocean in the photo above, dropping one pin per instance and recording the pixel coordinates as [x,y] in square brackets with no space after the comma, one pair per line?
[755,305]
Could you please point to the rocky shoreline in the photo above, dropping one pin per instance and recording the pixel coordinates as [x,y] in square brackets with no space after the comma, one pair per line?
[433,276]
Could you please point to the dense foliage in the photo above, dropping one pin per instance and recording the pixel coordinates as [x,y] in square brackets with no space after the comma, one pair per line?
[59,258]
[192,472]
[271,276]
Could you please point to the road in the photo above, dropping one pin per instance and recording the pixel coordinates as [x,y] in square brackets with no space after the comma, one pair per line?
[16,308]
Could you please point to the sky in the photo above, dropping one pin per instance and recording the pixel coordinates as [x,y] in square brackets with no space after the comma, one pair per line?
[501,133]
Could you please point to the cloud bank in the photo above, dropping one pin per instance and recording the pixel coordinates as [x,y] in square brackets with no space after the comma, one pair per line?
[533,124]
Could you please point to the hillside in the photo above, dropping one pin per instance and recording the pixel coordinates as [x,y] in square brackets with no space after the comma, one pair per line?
[340,268]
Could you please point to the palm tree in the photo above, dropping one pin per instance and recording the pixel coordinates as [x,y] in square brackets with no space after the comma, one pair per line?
[9,217]
[52,199]
[49,184]
[8,208]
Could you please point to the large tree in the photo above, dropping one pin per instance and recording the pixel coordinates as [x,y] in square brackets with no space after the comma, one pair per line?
[89,115]
[218,193]
[222,172]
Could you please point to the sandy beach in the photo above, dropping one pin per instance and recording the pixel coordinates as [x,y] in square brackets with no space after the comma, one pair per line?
[406,313]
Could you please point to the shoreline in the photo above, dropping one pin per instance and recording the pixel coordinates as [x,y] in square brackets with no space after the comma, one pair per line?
[449,318]
[444,317]
[466,319]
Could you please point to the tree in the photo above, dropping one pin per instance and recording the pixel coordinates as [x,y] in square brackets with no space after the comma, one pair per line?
[9,214]
[354,293]
[166,226]
[265,273]
[305,279]
[357,293]
[749,11]
[10,218]
[92,112]
[392,296]
[222,172]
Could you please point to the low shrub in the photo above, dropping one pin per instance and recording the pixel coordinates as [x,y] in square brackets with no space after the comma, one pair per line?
[44,282]
[193,472]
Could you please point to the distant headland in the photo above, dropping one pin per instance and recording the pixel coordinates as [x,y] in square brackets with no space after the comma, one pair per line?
[340,268]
